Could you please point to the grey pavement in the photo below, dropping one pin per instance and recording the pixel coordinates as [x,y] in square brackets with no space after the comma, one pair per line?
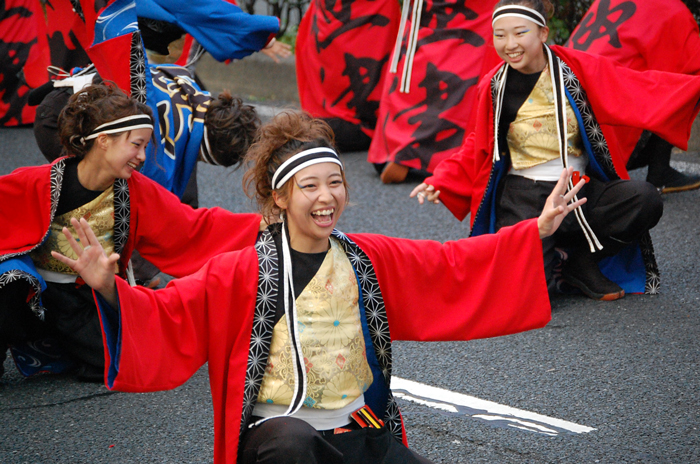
[627,368]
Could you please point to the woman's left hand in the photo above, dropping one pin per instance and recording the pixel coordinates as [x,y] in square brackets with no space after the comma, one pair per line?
[277,50]
[559,204]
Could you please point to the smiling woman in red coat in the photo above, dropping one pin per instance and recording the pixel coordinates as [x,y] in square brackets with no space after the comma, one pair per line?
[41,298]
[541,110]
[297,330]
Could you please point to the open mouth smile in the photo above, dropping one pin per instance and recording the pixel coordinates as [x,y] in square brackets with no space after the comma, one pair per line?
[323,217]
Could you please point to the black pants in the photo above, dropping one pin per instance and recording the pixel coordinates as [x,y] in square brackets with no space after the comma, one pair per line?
[287,440]
[71,319]
[619,212]
[348,136]
[655,152]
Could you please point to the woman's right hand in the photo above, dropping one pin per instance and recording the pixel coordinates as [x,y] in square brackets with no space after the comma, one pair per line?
[93,265]
[426,192]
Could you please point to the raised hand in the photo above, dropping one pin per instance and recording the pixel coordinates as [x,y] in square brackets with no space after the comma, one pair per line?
[277,50]
[93,265]
[426,192]
[559,204]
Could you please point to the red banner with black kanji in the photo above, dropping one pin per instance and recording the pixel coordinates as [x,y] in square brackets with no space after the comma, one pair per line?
[428,123]
[343,49]
[643,35]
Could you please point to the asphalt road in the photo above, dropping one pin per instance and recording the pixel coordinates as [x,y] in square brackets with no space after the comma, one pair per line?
[628,369]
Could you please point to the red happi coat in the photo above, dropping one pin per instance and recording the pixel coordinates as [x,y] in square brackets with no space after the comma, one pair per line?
[342,53]
[224,315]
[661,35]
[600,92]
[420,128]
[663,103]
[174,237]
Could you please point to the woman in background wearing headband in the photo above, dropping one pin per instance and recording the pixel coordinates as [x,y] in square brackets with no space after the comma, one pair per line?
[106,134]
[297,330]
[540,111]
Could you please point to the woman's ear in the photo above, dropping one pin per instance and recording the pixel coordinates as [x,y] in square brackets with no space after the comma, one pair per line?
[280,200]
[544,34]
[103,141]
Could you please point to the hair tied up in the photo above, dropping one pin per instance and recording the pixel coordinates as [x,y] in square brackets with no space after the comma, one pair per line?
[81,140]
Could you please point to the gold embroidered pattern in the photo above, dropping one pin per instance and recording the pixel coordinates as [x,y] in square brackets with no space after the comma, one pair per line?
[331,338]
[99,213]
[532,136]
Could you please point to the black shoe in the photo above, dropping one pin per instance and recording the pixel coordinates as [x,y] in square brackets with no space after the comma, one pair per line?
[676,181]
[90,374]
[582,272]
[3,355]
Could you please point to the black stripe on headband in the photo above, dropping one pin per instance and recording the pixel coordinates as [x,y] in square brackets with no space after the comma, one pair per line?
[517,10]
[292,165]
[124,124]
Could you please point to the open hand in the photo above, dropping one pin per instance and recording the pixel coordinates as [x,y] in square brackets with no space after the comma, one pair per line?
[93,265]
[559,204]
[277,50]
[426,192]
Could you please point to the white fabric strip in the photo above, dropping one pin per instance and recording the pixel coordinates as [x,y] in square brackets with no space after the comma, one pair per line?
[320,419]
[100,129]
[56,277]
[405,86]
[526,13]
[561,119]
[312,151]
[205,149]
[293,329]
[399,38]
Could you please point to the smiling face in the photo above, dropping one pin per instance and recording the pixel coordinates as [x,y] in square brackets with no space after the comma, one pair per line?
[317,200]
[518,42]
[125,153]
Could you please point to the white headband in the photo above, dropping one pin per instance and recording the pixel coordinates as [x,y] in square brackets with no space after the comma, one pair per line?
[519,11]
[303,160]
[137,121]
[205,150]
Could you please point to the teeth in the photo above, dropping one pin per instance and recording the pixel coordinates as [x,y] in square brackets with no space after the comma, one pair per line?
[325,212]
[515,55]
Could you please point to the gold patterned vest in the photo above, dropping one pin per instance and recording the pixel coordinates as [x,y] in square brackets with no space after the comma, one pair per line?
[532,136]
[99,213]
[331,339]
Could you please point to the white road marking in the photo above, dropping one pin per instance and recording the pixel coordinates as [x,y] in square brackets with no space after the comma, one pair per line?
[488,411]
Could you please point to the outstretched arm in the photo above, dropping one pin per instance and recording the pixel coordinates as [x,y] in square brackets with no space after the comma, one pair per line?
[93,264]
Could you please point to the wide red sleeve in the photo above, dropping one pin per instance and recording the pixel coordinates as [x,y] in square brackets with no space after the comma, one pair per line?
[156,340]
[478,287]
[661,102]
[463,177]
[452,177]
[179,239]
[25,210]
